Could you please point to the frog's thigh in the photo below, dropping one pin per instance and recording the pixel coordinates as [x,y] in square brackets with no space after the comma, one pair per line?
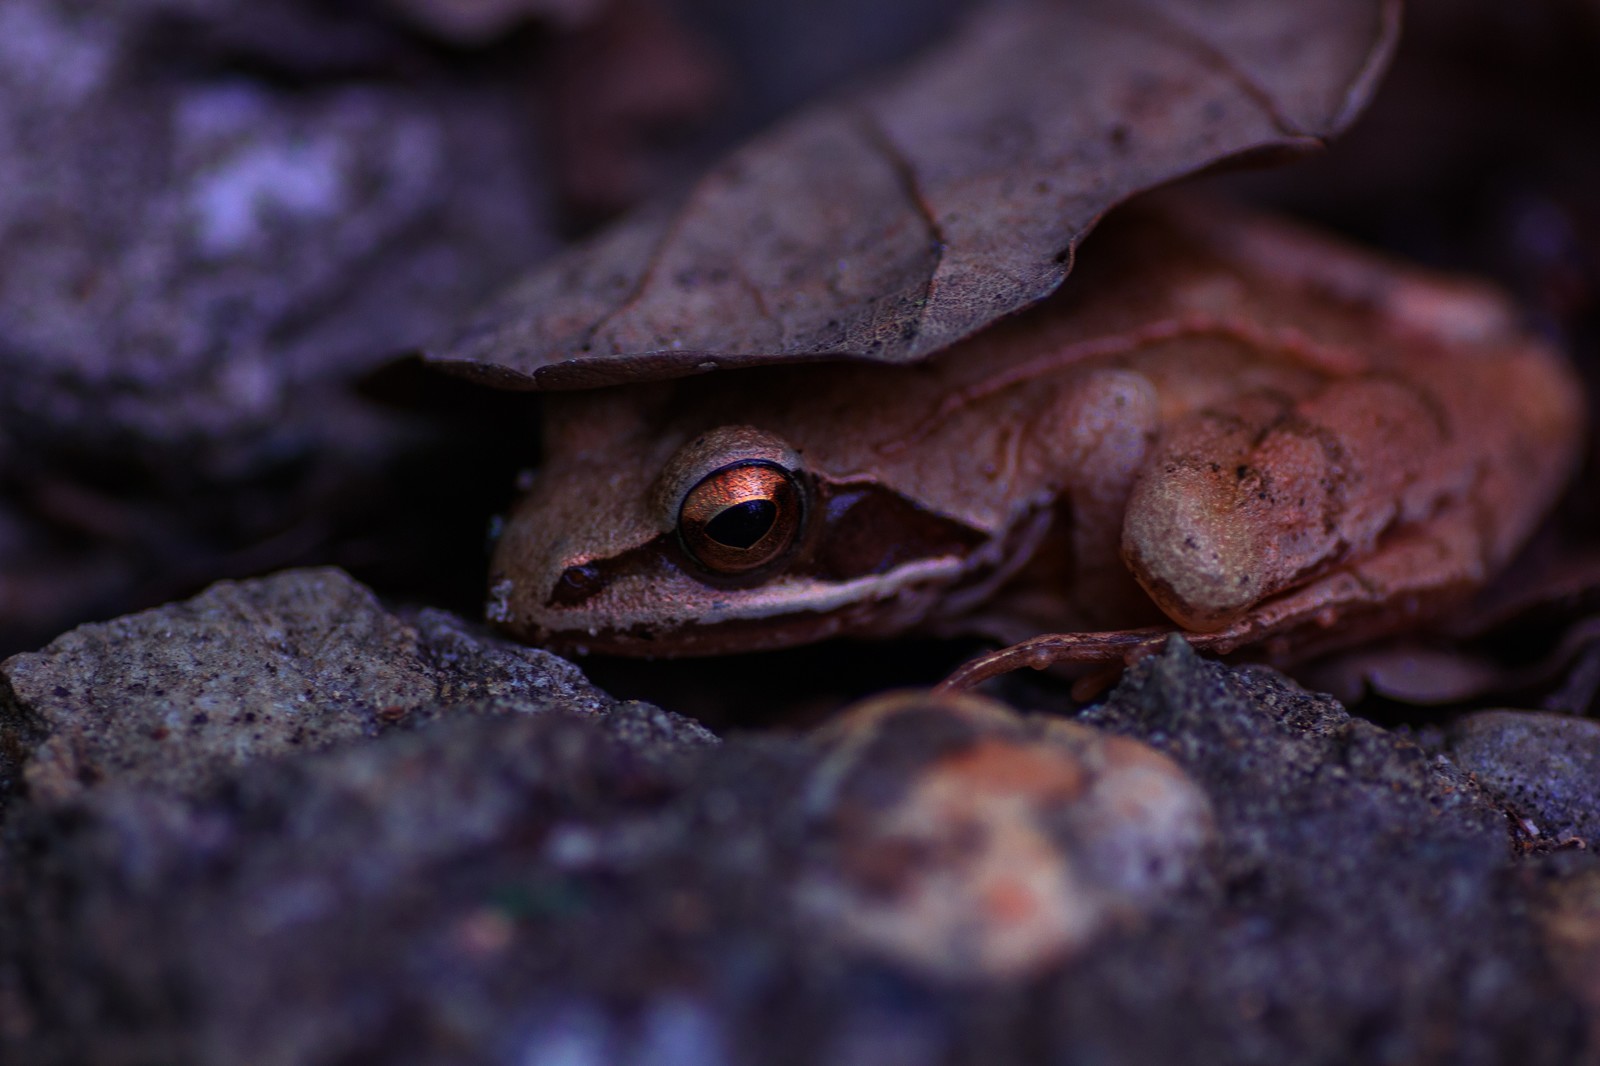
[1242,501]
[1415,573]
[1098,435]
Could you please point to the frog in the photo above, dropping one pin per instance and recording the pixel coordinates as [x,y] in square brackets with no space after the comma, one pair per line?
[1225,425]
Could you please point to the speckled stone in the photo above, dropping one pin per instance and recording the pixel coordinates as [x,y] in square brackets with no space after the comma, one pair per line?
[179,696]
[1011,843]
[511,879]
[1547,766]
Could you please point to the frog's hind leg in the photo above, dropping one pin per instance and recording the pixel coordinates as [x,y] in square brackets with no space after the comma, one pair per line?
[1247,499]
[1105,648]
[1415,573]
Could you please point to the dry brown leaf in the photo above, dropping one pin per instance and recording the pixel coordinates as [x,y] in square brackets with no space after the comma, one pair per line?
[887,224]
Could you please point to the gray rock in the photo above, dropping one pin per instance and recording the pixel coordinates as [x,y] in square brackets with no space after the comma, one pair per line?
[200,261]
[1361,908]
[597,882]
[396,900]
[183,695]
[1547,766]
[187,256]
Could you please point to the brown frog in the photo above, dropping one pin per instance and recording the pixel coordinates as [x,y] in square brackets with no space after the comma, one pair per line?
[1223,425]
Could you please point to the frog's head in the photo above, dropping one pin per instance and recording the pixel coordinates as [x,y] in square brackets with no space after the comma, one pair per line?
[726,542]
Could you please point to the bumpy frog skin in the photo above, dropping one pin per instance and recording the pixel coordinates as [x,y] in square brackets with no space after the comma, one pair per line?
[1222,424]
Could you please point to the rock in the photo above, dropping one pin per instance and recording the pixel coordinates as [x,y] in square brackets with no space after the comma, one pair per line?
[1545,765]
[242,812]
[517,874]
[1359,907]
[973,844]
[1565,898]
[194,259]
[183,695]
[199,263]
[381,900]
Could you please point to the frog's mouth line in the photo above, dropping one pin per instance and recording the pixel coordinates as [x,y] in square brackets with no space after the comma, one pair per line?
[791,610]
[879,607]
[801,608]
[859,530]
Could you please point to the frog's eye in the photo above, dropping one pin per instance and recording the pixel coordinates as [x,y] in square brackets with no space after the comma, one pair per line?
[740,517]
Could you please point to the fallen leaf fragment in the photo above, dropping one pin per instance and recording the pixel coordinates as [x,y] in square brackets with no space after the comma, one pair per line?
[888,224]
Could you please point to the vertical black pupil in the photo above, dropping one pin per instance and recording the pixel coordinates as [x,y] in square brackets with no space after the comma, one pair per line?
[742,524]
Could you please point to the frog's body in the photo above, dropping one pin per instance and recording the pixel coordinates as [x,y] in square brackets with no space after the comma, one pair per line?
[1248,430]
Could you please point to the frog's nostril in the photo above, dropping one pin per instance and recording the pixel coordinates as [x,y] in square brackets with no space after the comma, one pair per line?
[576,584]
